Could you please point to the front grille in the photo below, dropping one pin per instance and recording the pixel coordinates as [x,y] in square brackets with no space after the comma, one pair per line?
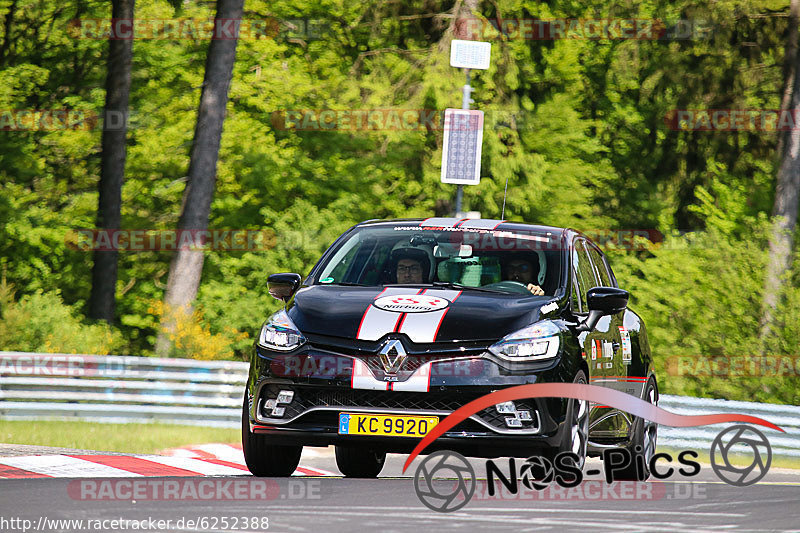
[306,398]
[366,348]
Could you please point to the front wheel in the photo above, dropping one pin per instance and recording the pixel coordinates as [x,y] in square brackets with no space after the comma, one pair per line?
[642,445]
[359,462]
[262,458]
[576,435]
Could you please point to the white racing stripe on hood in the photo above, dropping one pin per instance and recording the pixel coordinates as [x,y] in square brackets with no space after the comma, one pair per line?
[375,323]
[423,327]
[420,327]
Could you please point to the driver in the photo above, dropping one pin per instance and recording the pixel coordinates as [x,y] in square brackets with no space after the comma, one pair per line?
[411,265]
[521,271]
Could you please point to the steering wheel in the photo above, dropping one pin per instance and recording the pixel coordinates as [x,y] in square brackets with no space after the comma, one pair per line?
[509,286]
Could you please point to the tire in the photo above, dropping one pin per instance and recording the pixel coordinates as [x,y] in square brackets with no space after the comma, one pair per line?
[264,459]
[359,462]
[642,445]
[575,438]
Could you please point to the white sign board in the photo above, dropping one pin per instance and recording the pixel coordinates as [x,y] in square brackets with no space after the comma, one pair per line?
[470,54]
[461,151]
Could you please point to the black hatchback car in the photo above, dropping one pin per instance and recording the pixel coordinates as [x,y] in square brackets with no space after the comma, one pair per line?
[402,322]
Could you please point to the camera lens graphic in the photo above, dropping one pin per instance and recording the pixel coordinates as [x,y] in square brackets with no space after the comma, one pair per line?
[443,495]
[537,472]
[741,439]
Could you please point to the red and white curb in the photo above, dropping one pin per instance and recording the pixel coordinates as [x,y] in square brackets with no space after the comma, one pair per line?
[205,460]
[233,453]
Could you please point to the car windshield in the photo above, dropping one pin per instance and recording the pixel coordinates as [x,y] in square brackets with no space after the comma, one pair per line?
[503,261]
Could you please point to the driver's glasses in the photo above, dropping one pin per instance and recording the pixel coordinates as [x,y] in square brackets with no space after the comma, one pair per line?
[519,267]
[414,269]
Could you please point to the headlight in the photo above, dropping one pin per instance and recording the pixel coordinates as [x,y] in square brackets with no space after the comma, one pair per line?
[535,342]
[280,333]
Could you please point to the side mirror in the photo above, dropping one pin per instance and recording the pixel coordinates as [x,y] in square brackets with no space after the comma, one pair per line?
[608,300]
[283,286]
[603,301]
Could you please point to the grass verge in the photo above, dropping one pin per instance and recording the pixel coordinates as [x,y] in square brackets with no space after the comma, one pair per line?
[131,438]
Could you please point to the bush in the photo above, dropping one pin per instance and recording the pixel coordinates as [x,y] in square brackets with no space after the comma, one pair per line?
[191,337]
[42,322]
[700,295]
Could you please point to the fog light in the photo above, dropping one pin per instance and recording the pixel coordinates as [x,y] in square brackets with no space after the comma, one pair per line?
[273,406]
[514,422]
[506,408]
[525,416]
[285,396]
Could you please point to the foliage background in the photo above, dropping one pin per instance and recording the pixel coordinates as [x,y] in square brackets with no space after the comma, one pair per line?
[576,126]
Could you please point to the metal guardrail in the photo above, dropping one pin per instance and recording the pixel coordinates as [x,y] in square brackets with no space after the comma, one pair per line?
[209,393]
[787,417]
[117,388]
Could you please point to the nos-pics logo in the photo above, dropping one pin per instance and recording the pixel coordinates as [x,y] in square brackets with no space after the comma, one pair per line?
[617,462]
[537,472]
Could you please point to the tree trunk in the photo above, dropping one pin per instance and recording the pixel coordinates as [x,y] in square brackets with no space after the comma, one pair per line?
[187,265]
[789,70]
[112,165]
[787,192]
[4,46]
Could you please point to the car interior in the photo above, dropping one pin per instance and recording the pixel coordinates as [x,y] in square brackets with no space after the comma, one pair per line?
[452,262]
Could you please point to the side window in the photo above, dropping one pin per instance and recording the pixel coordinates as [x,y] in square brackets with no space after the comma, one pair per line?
[575,300]
[600,267]
[583,272]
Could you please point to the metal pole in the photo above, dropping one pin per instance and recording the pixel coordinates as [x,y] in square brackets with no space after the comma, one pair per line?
[465,101]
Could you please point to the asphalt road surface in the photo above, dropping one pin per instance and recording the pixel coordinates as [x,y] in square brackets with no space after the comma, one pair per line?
[390,503]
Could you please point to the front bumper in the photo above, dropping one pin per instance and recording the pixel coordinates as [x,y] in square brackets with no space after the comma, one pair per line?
[323,385]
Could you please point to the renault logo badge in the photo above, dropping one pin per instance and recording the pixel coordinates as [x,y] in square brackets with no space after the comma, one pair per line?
[393,355]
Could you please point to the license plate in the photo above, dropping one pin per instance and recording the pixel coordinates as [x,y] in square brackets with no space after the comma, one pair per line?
[386,425]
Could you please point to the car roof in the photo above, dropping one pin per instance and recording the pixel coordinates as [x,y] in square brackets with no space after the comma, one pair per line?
[471,223]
